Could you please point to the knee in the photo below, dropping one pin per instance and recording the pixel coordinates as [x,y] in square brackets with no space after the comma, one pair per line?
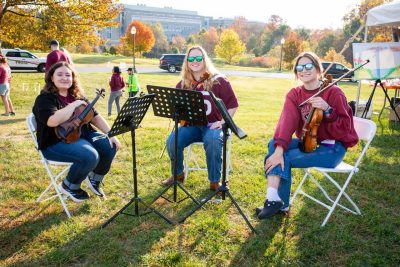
[91,158]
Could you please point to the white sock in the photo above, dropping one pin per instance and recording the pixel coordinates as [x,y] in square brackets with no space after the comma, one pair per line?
[272,194]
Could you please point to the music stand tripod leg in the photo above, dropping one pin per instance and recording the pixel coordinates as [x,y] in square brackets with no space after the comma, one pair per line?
[175,184]
[122,125]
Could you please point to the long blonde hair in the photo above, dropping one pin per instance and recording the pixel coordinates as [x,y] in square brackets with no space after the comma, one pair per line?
[187,74]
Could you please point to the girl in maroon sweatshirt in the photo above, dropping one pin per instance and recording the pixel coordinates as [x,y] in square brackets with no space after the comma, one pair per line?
[335,134]
[117,85]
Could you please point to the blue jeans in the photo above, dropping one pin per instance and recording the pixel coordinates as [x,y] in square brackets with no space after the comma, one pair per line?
[86,155]
[212,140]
[323,156]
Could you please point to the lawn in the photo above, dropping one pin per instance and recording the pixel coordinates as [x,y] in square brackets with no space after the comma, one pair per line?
[35,234]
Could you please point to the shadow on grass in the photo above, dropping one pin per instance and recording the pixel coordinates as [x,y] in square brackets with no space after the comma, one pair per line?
[125,241]
[16,235]
[7,120]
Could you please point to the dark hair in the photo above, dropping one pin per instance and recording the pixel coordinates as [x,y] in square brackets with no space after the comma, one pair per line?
[314,60]
[116,69]
[75,90]
[3,59]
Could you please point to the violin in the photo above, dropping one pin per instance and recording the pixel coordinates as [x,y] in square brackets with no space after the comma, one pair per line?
[70,130]
[310,128]
[205,76]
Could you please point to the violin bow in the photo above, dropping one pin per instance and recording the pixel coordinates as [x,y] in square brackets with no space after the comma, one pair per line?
[332,83]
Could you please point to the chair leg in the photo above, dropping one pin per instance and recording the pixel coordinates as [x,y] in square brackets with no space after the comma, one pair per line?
[299,187]
[187,158]
[54,184]
[357,210]
[337,200]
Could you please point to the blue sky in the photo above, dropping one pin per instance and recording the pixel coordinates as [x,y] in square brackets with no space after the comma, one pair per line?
[314,14]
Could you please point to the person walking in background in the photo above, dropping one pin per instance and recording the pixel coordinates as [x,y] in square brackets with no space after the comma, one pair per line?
[92,154]
[117,85]
[335,134]
[5,87]
[56,55]
[198,73]
[133,83]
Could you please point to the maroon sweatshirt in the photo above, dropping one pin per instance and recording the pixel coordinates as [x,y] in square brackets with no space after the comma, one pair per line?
[336,126]
[117,82]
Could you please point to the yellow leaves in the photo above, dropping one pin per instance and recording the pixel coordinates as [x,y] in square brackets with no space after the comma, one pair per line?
[230,47]
[71,22]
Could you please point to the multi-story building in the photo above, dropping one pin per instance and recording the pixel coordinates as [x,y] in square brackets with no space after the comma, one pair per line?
[174,22]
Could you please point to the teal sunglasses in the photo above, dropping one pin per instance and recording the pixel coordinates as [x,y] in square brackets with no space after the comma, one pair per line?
[198,59]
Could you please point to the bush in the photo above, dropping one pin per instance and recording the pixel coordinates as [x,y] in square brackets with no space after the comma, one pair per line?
[263,62]
[112,50]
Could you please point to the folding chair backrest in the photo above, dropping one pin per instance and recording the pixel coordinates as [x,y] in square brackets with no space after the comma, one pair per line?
[366,130]
[32,126]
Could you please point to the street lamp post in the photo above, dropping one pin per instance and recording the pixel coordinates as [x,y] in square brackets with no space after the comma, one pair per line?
[280,61]
[133,32]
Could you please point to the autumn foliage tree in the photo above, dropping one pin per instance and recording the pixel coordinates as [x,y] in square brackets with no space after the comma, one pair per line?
[292,47]
[32,24]
[144,37]
[230,47]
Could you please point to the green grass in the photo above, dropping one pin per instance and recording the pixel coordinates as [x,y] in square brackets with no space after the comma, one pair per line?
[41,235]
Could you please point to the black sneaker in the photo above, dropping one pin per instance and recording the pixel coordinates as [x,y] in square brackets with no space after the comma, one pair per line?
[281,211]
[270,208]
[12,113]
[77,195]
[94,186]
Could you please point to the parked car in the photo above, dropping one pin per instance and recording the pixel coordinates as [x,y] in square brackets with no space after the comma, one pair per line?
[171,62]
[337,70]
[23,60]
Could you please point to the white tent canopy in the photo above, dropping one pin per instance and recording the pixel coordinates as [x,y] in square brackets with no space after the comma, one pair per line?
[384,15]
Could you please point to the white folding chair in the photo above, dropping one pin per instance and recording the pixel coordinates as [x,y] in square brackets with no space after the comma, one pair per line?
[31,121]
[191,156]
[366,131]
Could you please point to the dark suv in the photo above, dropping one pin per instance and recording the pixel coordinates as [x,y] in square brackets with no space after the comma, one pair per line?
[337,70]
[171,62]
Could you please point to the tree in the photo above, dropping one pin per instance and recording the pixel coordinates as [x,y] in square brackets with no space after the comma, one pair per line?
[144,37]
[161,42]
[274,30]
[291,49]
[209,40]
[240,26]
[333,56]
[32,24]
[230,47]
[179,43]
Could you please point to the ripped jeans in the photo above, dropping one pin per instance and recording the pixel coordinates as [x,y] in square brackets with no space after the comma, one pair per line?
[323,156]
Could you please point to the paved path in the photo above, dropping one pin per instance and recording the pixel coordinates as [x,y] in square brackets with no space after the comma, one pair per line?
[228,72]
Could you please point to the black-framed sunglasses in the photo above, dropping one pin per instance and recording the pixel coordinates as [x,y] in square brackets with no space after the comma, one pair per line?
[198,59]
[308,66]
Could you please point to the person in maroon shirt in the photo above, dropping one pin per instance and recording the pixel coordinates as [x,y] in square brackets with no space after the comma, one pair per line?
[195,65]
[117,85]
[335,134]
[56,55]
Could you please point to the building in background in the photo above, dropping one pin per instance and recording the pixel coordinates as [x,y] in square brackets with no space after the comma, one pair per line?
[174,21]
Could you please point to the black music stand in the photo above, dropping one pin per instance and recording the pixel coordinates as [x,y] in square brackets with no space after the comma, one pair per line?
[224,189]
[364,114]
[128,119]
[178,105]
